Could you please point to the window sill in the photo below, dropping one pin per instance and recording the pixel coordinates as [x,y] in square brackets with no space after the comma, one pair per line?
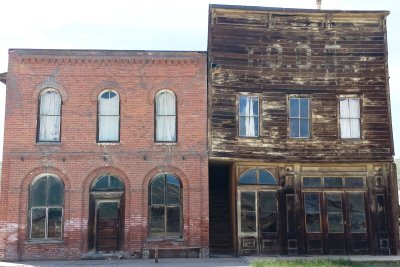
[43,241]
[42,143]
[166,143]
[163,239]
[109,143]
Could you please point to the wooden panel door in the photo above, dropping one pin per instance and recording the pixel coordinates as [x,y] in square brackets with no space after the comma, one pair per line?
[107,226]
[258,222]
[312,220]
[334,223]
[356,223]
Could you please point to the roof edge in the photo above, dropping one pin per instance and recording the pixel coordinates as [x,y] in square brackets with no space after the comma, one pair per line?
[3,77]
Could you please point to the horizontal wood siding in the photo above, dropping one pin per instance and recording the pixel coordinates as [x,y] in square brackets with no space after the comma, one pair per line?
[323,56]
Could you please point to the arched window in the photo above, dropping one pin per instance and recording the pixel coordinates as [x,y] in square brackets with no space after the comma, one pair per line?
[46,201]
[108,183]
[49,116]
[108,117]
[165,206]
[165,116]
[257,176]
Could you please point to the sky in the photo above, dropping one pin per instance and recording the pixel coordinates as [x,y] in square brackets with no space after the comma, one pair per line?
[153,25]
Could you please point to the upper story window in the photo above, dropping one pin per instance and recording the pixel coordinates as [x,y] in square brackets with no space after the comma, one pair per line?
[349,109]
[49,116]
[165,116]
[108,117]
[257,176]
[248,116]
[299,117]
[46,201]
[165,206]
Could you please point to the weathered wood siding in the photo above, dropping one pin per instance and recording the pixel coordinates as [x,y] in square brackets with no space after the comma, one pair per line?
[276,53]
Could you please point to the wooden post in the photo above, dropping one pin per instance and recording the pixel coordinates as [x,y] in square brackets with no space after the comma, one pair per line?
[156,255]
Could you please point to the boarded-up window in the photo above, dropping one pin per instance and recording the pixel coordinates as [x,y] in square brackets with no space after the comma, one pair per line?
[46,208]
[108,117]
[49,116]
[165,116]
[248,116]
[349,117]
[165,209]
[299,117]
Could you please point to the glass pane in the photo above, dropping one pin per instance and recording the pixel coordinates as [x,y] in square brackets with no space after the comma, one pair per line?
[157,190]
[242,126]
[333,182]
[313,223]
[255,105]
[354,128]
[294,107]
[248,222]
[304,108]
[157,221]
[267,201]
[268,222]
[333,202]
[248,177]
[38,192]
[354,181]
[248,214]
[54,223]
[173,190]
[115,183]
[291,222]
[174,221]
[266,177]
[294,128]
[38,228]
[304,128]
[102,184]
[335,223]
[56,192]
[312,182]
[243,109]
[357,213]
[108,210]
[256,128]
[311,202]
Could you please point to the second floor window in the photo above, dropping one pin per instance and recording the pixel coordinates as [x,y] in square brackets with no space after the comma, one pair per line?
[248,116]
[349,109]
[299,117]
[108,117]
[49,116]
[165,116]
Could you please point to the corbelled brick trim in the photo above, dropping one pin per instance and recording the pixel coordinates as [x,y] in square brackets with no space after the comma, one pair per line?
[103,171]
[109,85]
[31,175]
[165,169]
[50,82]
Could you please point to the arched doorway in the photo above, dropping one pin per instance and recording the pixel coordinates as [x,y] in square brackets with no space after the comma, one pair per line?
[258,213]
[106,214]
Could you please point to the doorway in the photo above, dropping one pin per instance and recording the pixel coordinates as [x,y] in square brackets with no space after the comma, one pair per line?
[106,214]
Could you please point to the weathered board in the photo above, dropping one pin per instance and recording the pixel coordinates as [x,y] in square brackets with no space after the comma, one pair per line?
[278,53]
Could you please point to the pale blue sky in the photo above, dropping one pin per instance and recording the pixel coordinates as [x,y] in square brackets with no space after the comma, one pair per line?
[152,25]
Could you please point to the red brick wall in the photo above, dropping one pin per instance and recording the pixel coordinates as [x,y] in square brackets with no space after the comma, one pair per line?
[80,76]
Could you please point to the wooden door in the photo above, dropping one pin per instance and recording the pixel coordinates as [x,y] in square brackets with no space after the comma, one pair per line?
[356,223]
[334,223]
[258,222]
[107,238]
[312,220]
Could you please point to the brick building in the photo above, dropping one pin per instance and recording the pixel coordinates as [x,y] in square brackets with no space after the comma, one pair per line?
[104,151]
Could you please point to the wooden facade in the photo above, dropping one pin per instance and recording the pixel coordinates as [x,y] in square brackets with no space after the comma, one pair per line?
[301,183]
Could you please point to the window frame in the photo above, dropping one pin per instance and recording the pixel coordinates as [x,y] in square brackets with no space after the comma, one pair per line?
[38,115]
[155,117]
[239,116]
[165,236]
[46,207]
[347,97]
[98,117]
[299,117]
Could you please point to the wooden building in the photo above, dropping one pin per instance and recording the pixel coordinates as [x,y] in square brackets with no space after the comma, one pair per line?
[300,138]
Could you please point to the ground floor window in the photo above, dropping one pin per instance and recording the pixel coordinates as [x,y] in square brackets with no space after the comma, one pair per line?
[165,206]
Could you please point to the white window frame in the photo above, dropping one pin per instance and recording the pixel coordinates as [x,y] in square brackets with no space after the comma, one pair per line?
[48,131]
[299,118]
[351,120]
[164,132]
[104,137]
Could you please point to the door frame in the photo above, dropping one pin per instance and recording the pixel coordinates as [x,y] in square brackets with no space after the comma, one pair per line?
[103,197]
